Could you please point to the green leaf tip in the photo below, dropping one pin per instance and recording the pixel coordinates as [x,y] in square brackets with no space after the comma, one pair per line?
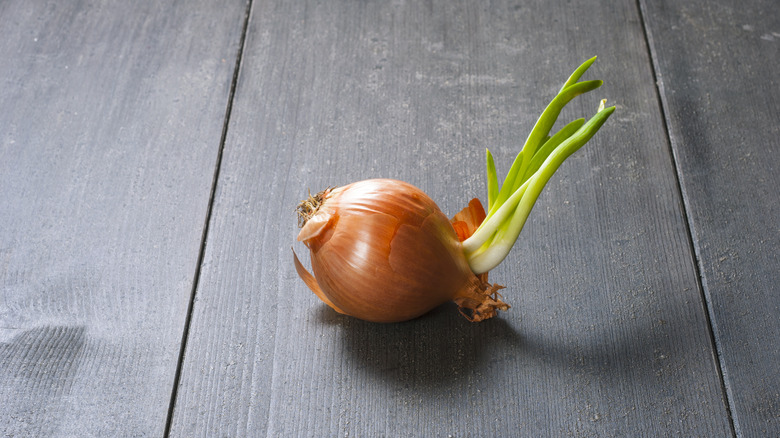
[579,72]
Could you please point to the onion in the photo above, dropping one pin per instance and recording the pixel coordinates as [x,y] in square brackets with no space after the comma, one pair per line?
[382,250]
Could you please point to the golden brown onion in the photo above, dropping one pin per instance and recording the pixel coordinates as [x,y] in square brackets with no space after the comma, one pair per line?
[382,251]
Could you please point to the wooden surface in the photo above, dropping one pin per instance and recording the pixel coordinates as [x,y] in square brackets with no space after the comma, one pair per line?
[643,286]
[110,127]
[718,68]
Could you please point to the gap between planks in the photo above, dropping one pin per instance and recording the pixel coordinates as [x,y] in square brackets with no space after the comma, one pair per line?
[697,262]
[209,209]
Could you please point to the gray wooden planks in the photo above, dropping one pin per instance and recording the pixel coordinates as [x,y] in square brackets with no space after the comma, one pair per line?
[110,126]
[717,64]
[608,335]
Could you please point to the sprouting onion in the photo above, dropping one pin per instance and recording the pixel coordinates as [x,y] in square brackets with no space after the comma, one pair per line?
[382,250]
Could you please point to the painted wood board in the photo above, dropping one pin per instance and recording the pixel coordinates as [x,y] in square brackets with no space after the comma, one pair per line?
[112,114]
[717,69]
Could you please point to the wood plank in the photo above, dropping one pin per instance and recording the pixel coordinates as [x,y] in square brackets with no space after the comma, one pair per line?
[111,119]
[608,333]
[717,63]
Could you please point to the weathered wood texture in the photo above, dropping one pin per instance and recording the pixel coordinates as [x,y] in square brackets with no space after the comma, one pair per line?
[110,126]
[608,333]
[718,65]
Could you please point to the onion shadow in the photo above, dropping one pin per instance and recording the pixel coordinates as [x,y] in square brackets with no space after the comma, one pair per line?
[437,348]
[442,347]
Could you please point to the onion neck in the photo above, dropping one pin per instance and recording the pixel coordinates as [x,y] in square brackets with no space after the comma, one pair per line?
[310,206]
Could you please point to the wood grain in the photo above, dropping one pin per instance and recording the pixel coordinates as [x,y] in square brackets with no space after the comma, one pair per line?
[111,120]
[718,64]
[608,335]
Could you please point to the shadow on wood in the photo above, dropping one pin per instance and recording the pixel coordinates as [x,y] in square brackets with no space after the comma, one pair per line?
[438,348]
[441,348]
[38,366]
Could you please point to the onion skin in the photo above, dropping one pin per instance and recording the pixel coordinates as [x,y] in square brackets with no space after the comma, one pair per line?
[382,251]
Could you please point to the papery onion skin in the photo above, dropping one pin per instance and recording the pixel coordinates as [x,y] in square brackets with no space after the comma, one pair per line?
[382,251]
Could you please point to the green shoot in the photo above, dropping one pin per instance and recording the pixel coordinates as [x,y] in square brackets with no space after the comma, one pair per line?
[492,179]
[549,146]
[533,167]
[539,134]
